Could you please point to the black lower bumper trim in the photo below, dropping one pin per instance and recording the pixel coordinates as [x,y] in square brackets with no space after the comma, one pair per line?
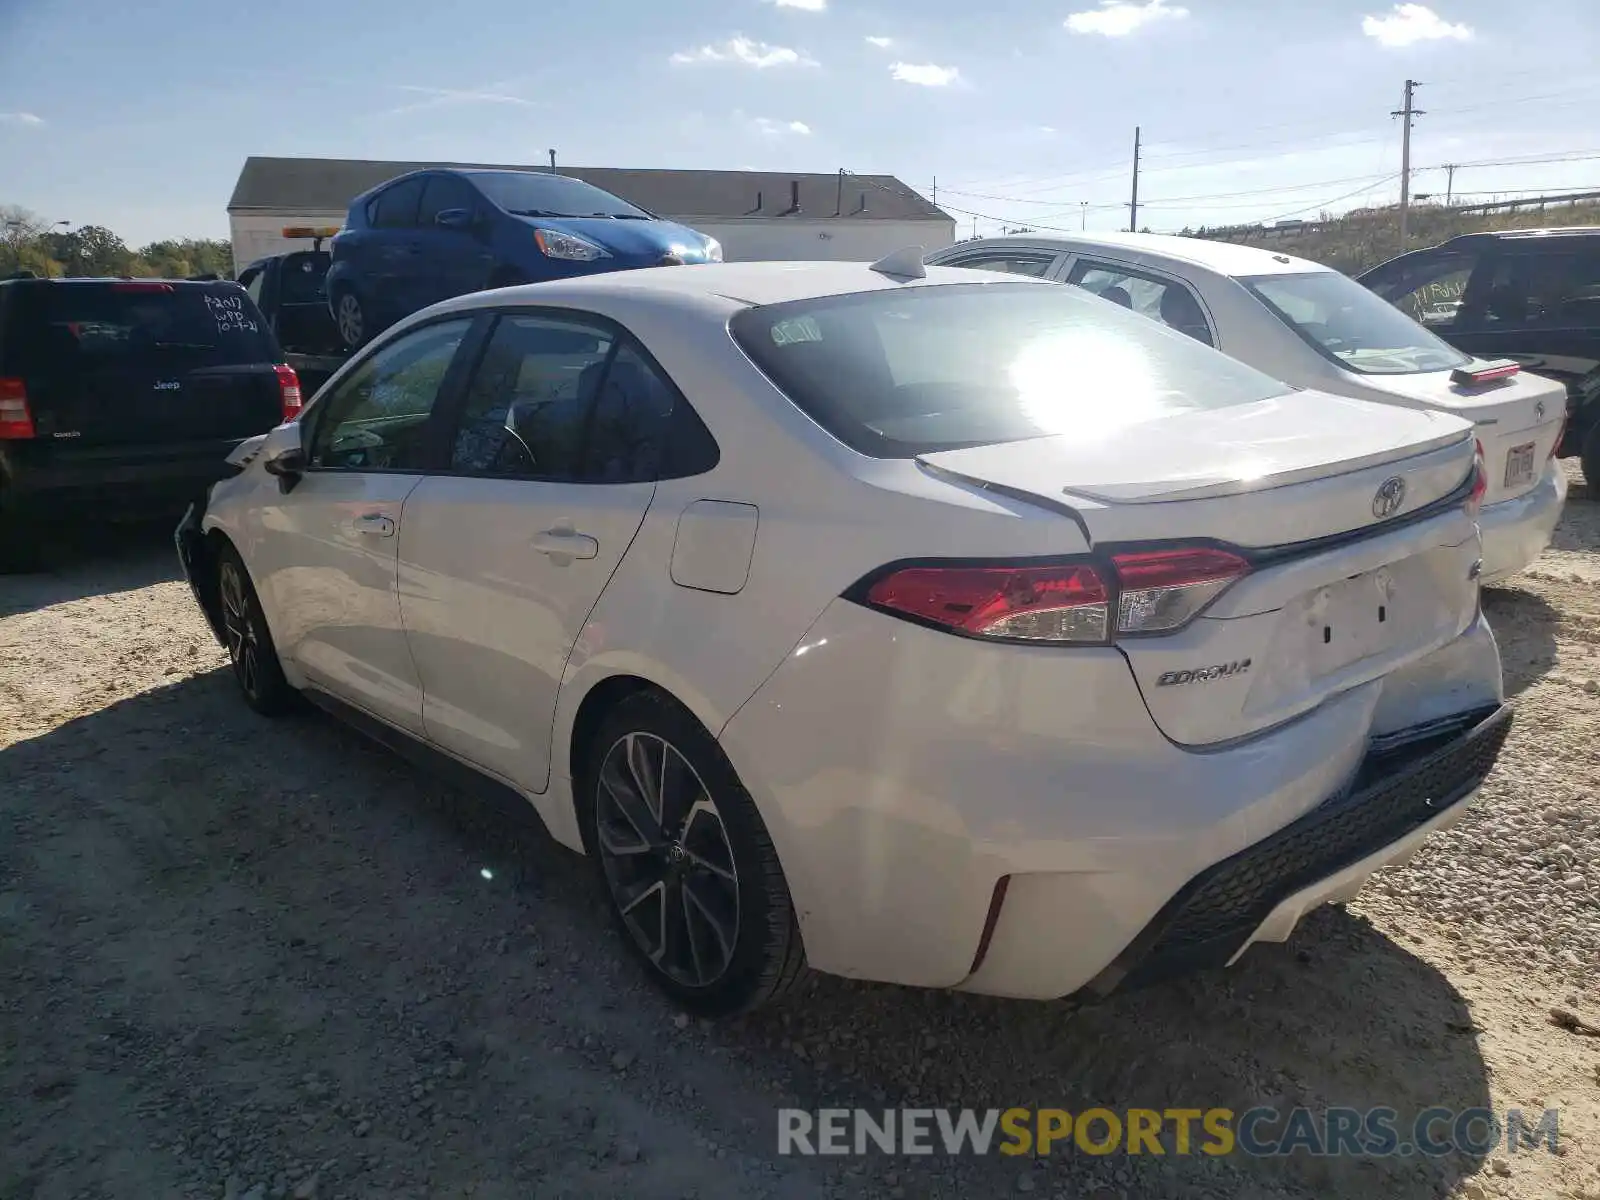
[1397,790]
[199,568]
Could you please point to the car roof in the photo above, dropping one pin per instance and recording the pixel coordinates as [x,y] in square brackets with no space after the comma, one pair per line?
[78,280]
[1224,258]
[737,285]
[1497,235]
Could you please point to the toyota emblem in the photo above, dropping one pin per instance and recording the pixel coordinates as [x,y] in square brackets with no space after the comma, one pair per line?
[1538,411]
[1390,496]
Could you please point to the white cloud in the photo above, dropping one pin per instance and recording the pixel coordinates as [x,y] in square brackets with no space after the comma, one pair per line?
[767,127]
[21,118]
[803,5]
[1411,23]
[882,43]
[491,93]
[750,53]
[1118,18]
[925,74]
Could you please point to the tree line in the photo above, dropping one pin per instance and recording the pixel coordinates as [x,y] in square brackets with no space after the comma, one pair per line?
[29,242]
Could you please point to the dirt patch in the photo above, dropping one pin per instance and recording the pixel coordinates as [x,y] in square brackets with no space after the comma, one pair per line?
[265,959]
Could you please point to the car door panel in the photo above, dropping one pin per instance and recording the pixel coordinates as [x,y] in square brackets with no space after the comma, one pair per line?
[497,579]
[554,456]
[453,261]
[326,553]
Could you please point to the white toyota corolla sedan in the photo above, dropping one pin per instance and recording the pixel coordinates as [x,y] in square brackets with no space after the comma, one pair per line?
[1310,326]
[934,627]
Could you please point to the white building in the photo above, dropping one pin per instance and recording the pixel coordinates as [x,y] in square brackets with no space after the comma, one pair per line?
[754,214]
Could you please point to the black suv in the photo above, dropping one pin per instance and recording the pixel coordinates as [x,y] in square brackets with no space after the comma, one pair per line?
[1528,294]
[121,398]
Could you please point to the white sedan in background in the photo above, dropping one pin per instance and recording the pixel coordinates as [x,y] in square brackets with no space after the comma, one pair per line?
[934,627]
[1313,327]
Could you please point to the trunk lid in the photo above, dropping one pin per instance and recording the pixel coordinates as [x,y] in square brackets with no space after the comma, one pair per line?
[143,362]
[1349,579]
[1517,419]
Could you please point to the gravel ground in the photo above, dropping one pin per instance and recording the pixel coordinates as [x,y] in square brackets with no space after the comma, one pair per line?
[252,959]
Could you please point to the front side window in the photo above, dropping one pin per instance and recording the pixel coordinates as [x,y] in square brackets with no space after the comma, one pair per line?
[894,374]
[530,398]
[378,418]
[442,193]
[1352,326]
[1163,300]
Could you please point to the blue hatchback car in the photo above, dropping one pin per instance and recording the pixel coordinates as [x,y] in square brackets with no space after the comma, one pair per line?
[430,235]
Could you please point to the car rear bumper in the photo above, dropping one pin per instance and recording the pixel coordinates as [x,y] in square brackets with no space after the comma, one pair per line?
[1007,820]
[112,485]
[1516,531]
[199,567]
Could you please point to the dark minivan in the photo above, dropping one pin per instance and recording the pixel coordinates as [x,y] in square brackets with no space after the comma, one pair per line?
[121,398]
[1532,295]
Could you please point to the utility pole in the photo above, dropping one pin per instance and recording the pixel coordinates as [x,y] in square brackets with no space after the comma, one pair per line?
[1450,182]
[1085,224]
[552,162]
[1133,205]
[1407,113]
[936,191]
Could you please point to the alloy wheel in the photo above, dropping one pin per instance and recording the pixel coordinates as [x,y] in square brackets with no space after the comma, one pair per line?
[667,859]
[350,319]
[239,627]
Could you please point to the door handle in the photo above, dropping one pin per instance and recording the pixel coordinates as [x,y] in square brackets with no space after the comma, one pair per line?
[375,524]
[564,544]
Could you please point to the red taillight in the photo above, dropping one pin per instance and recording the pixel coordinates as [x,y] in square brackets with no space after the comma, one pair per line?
[289,391]
[1153,591]
[144,286]
[1163,589]
[1502,368]
[1480,479]
[16,421]
[1036,604]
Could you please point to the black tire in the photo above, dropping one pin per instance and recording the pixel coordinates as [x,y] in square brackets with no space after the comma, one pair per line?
[732,966]
[248,640]
[1591,461]
[351,319]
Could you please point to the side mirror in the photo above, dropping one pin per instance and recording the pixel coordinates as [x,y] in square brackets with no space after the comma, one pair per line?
[283,456]
[455,218]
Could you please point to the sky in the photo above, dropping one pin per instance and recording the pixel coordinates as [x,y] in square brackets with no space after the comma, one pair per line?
[139,116]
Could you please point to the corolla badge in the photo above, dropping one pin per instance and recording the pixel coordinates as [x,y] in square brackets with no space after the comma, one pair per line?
[1390,496]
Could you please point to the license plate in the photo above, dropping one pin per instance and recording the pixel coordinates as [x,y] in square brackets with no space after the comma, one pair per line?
[1353,619]
[1519,464]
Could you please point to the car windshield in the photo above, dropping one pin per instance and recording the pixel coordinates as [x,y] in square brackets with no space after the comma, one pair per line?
[901,372]
[1345,322]
[532,194]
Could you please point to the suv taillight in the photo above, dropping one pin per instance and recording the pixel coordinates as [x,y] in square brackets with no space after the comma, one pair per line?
[1480,480]
[289,391]
[16,421]
[1082,603]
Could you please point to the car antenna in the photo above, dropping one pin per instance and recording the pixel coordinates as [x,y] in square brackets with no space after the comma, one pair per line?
[902,264]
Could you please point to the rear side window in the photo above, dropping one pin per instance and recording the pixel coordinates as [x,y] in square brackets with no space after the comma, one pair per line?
[901,372]
[396,207]
[156,325]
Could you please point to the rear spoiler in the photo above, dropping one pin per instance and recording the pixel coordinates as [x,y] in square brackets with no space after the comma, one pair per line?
[1478,372]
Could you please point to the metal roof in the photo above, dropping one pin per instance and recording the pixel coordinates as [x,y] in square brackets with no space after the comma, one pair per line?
[301,185]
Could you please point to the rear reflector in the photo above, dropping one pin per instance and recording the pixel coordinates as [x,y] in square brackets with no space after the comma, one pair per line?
[16,421]
[1143,592]
[1501,368]
[289,391]
[142,286]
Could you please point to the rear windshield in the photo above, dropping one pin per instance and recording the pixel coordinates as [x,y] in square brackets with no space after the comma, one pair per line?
[902,372]
[530,194]
[1344,321]
[151,324]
